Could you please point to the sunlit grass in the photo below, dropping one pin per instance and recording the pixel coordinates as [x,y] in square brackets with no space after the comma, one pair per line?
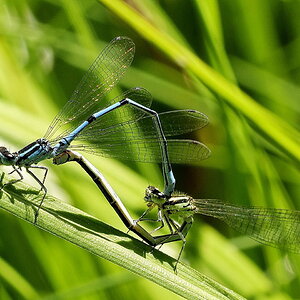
[205,55]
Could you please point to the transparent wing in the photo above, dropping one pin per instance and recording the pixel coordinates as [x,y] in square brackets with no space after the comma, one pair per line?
[110,125]
[101,77]
[149,150]
[138,126]
[179,122]
[275,227]
[129,133]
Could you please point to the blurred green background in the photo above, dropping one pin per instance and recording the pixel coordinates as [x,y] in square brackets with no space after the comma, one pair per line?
[45,48]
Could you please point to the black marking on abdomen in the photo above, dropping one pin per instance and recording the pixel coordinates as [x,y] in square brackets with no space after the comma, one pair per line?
[91,119]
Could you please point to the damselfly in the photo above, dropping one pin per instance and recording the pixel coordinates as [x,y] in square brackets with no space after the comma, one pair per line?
[111,132]
[274,227]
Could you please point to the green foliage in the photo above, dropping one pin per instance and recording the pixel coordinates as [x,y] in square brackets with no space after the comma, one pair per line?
[237,61]
[87,232]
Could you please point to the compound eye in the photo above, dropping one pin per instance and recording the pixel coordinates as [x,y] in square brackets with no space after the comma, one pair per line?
[153,190]
[5,155]
[5,152]
[158,193]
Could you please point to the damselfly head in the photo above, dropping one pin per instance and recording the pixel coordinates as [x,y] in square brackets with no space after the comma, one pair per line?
[6,157]
[154,195]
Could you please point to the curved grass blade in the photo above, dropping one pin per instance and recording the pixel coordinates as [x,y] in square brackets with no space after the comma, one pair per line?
[103,240]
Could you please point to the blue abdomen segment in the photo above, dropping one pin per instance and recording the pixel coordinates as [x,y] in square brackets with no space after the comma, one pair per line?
[167,170]
[65,142]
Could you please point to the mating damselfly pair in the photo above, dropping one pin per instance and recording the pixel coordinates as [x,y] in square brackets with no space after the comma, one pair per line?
[126,128]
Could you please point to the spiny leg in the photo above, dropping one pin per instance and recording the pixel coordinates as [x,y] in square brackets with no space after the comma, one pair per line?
[160,219]
[15,169]
[43,187]
[170,224]
[45,174]
[175,230]
[181,250]
[146,212]
[182,231]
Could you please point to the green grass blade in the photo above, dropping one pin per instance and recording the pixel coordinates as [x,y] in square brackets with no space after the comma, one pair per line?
[100,239]
[16,280]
